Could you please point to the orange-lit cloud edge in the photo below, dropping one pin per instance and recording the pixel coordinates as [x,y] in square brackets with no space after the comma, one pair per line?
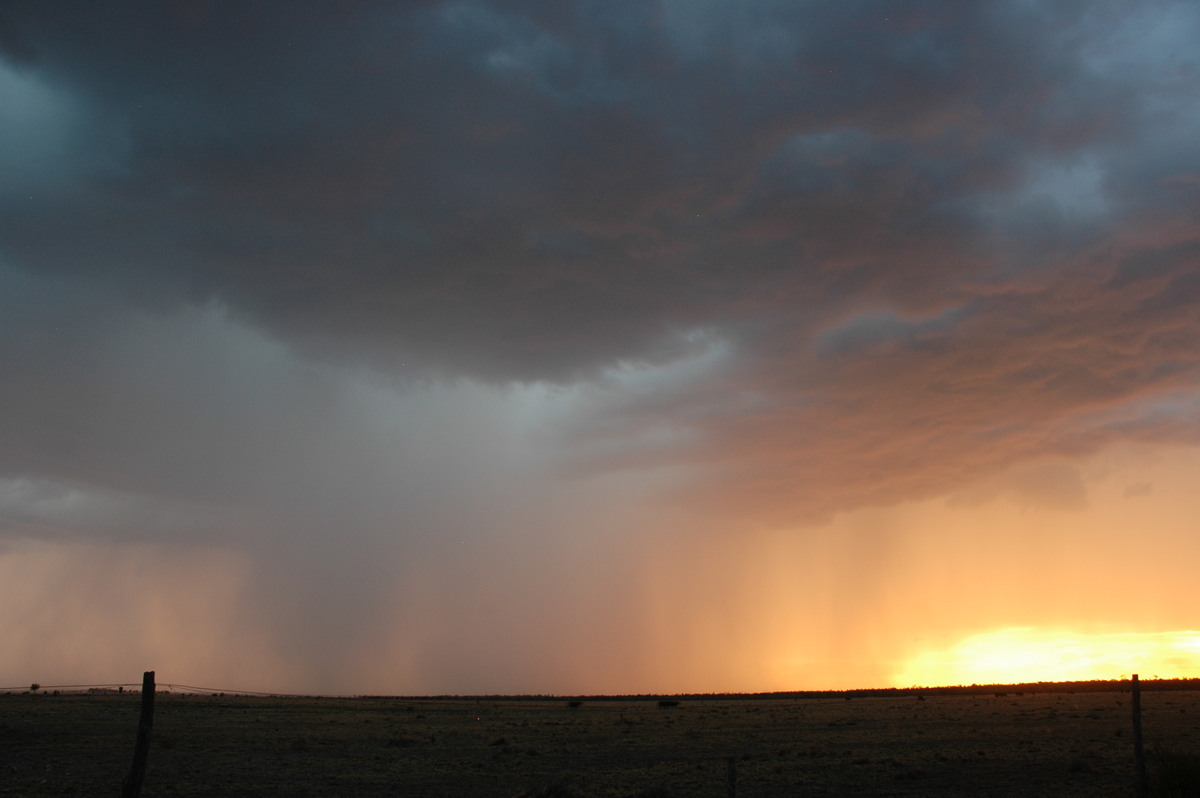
[1120,553]
[1005,583]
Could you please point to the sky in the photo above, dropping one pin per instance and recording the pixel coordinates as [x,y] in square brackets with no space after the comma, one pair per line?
[598,346]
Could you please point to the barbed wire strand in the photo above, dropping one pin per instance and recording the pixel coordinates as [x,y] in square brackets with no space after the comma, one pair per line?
[160,686]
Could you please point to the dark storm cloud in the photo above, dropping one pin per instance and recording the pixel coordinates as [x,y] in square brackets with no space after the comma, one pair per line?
[525,194]
[936,237]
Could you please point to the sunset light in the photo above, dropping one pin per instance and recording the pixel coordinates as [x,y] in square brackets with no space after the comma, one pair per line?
[466,347]
[1008,656]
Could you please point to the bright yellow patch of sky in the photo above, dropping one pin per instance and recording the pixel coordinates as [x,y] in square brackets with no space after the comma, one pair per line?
[1018,655]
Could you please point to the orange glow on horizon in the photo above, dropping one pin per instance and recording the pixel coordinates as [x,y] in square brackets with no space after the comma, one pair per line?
[988,587]
[1023,654]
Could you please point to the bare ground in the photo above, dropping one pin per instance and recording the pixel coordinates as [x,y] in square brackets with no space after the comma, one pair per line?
[1041,744]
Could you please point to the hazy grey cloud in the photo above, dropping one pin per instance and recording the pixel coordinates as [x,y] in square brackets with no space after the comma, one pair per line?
[508,193]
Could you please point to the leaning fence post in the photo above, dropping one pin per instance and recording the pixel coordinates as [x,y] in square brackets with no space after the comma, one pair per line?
[132,786]
[1139,751]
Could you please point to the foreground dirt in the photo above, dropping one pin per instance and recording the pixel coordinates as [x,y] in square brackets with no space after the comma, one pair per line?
[1076,744]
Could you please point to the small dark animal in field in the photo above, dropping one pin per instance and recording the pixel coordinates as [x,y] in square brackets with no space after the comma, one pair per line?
[667,704]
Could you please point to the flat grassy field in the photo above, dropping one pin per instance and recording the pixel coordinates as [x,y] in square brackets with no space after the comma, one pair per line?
[1045,744]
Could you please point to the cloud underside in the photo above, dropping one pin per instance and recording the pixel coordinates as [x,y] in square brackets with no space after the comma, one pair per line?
[815,257]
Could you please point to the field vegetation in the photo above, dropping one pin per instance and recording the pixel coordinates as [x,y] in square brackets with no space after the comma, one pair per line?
[1072,740]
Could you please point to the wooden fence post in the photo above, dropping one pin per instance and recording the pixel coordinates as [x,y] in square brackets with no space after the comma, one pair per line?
[132,786]
[1139,751]
[731,777]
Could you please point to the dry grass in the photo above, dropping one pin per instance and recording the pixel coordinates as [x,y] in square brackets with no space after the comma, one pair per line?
[1059,744]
